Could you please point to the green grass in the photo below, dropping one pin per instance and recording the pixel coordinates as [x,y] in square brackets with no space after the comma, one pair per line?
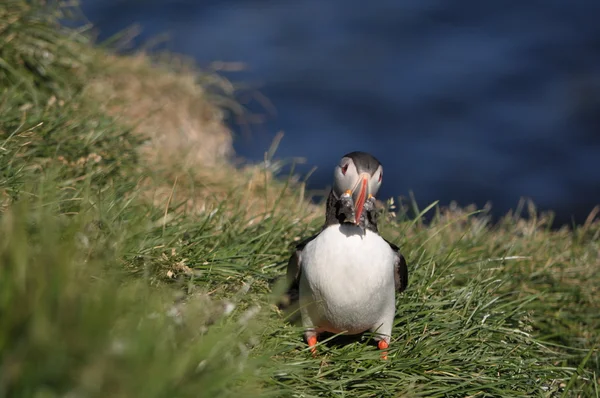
[105,293]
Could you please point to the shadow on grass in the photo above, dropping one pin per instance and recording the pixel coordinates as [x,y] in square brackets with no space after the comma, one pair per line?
[332,340]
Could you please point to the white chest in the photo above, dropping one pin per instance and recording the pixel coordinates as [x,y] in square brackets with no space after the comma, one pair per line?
[348,277]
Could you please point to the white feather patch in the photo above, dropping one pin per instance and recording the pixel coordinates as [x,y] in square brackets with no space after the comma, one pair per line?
[348,281]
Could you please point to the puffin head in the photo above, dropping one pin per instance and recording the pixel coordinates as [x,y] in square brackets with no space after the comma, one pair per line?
[358,174]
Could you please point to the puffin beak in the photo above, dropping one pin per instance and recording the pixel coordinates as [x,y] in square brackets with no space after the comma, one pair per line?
[359,195]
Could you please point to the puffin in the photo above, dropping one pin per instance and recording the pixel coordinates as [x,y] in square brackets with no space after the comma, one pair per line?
[345,278]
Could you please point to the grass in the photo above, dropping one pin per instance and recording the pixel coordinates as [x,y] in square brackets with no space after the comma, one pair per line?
[129,272]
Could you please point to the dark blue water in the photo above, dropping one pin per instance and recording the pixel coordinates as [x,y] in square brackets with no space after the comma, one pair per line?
[464,100]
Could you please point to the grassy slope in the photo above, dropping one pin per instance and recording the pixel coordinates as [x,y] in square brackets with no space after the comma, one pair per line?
[129,266]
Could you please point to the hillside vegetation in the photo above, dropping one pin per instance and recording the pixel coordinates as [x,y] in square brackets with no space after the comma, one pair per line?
[135,260]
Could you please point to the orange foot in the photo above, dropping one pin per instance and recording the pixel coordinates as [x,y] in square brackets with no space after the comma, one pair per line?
[312,343]
[383,345]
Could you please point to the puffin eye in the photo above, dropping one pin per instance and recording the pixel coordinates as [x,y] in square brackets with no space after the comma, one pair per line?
[380,176]
[344,169]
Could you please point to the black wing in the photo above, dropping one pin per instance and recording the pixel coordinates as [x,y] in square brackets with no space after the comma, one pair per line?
[294,270]
[400,269]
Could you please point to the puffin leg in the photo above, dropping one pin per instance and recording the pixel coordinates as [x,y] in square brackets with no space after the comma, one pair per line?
[383,331]
[383,344]
[311,339]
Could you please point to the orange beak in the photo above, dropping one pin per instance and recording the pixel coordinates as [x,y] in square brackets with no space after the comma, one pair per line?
[359,200]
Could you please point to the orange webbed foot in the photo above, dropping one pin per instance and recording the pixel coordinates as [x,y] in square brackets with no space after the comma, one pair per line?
[312,343]
[383,345]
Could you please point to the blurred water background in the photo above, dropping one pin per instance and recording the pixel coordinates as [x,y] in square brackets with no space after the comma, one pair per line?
[466,100]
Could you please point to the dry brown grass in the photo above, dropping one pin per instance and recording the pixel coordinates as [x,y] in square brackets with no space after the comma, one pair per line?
[207,188]
[170,108]
[189,150]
